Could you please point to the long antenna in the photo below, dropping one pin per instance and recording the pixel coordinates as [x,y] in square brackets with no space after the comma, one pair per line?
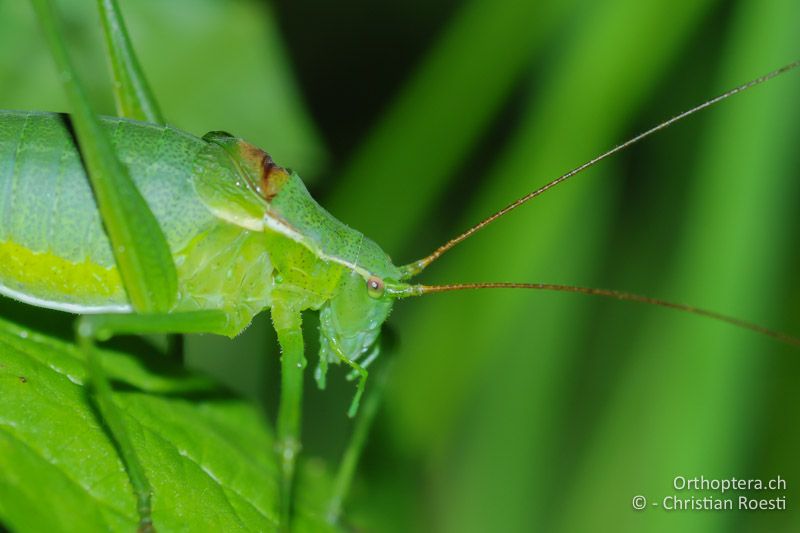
[419,290]
[416,267]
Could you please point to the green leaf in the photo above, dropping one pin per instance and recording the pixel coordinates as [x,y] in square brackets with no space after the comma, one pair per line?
[207,454]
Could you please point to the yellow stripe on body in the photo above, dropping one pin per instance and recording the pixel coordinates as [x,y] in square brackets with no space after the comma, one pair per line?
[45,279]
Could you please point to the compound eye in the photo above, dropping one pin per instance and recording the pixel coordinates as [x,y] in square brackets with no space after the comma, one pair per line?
[375,287]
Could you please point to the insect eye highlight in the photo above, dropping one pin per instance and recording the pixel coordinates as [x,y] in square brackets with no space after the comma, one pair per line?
[375,287]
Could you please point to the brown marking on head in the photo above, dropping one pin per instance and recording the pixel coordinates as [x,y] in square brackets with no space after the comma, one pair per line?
[269,176]
[272,177]
[23,379]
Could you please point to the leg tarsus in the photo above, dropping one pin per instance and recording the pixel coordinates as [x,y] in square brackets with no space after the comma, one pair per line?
[362,382]
[357,368]
[376,350]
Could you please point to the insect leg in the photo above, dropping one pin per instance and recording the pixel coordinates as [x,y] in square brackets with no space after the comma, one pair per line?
[347,466]
[321,371]
[93,328]
[287,321]
[376,351]
[357,368]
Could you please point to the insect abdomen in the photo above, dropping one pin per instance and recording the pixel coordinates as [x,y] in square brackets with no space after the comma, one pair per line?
[53,249]
[51,240]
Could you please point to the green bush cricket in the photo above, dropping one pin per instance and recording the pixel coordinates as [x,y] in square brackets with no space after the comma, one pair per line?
[243,235]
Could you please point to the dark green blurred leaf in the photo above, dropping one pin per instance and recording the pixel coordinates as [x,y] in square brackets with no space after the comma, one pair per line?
[440,114]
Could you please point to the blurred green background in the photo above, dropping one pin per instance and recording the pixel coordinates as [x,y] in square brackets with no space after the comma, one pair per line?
[412,120]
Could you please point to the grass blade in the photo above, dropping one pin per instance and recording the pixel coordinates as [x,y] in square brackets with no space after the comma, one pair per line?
[704,385]
[140,249]
[132,93]
[581,107]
